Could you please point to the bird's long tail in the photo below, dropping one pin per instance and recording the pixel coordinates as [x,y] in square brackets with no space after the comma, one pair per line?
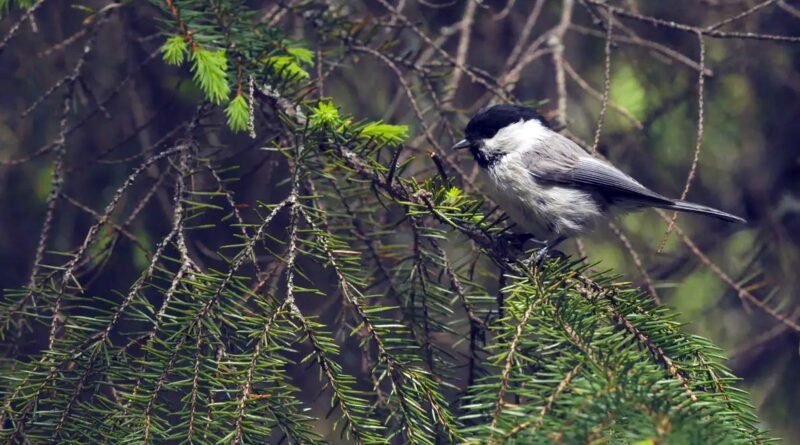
[685,206]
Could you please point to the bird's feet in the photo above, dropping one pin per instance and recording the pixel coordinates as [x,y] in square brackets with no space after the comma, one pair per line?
[519,239]
[545,253]
[541,255]
[548,250]
[512,245]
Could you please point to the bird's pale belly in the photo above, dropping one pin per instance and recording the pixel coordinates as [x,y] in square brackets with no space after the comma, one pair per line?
[544,210]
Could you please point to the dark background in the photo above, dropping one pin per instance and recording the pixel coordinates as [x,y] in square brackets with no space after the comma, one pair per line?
[749,164]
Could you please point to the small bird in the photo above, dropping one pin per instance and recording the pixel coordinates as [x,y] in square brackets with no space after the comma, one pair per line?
[547,184]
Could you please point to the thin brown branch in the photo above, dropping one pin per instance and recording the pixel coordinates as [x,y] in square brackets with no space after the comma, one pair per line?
[15,28]
[556,42]
[699,140]
[634,39]
[421,34]
[606,83]
[599,96]
[465,31]
[637,261]
[740,16]
[654,21]
[530,22]
[742,293]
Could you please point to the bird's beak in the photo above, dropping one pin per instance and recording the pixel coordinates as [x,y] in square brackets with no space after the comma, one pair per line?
[462,144]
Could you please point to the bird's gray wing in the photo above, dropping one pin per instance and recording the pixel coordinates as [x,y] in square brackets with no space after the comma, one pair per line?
[596,175]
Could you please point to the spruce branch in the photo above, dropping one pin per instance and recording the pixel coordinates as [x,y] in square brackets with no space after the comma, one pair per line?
[328,276]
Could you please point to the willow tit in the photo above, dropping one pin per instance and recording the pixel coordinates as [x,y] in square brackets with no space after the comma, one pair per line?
[547,184]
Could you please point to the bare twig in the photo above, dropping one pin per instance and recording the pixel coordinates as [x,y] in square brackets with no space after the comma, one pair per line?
[556,42]
[530,22]
[588,88]
[654,21]
[606,83]
[637,261]
[28,15]
[465,30]
[742,293]
[633,39]
[699,140]
[740,16]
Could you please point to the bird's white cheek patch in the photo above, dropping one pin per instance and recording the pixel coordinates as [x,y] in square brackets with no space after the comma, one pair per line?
[517,137]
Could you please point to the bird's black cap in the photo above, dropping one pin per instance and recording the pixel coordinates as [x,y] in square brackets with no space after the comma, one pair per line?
[487,122]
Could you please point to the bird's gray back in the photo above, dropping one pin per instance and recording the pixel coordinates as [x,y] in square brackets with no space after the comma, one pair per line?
[561,161]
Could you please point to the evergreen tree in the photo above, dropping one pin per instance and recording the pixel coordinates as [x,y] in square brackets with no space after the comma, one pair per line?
[418,343]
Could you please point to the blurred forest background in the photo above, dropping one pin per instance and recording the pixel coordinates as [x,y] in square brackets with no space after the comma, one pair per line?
[126,100]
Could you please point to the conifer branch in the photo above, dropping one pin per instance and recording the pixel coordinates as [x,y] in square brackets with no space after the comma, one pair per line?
[222,269]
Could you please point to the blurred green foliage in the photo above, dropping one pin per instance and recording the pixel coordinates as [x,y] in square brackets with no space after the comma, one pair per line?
[749,164]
